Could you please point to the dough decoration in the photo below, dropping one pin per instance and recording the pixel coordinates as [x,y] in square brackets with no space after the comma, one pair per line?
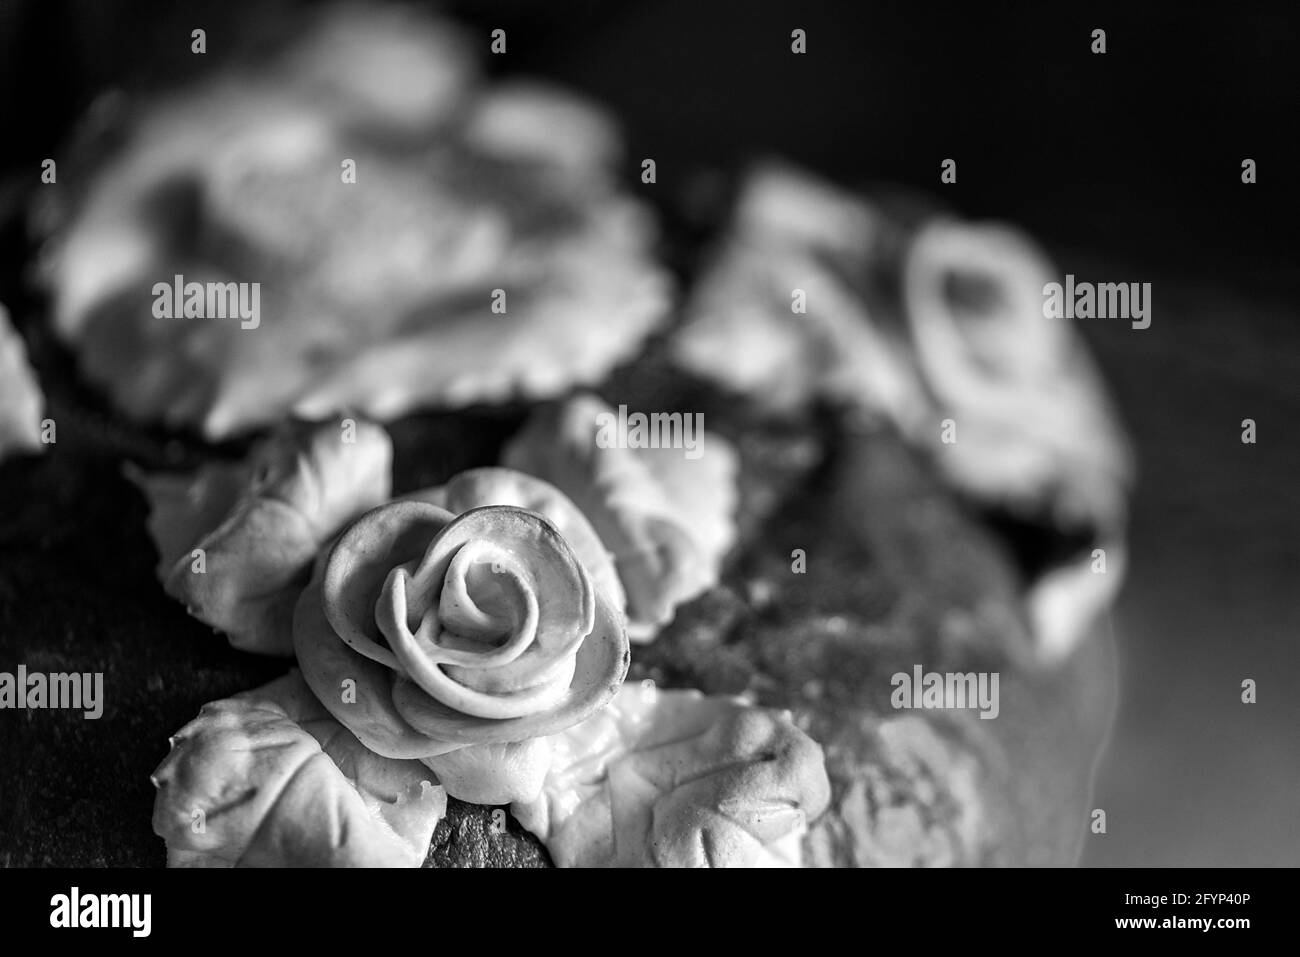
[917,324]
[475,630]
[1038,433]
[20,394]
[474,488]
[472,639]
[666,519]
[477,633]
[456,619]
[678,779]
[463,256]
[269,779]
[237,542]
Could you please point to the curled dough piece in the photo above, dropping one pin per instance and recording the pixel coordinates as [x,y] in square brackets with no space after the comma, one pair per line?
[20,394]
[1036,432]
[665,516]
[475,488]
[1016,379]
[236,542]
[937,327]
[677,779]
[268,779]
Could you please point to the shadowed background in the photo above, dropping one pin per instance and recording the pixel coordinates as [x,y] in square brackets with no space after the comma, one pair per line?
[1126,165]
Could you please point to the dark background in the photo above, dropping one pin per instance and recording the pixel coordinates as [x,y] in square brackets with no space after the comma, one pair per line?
[1126,165]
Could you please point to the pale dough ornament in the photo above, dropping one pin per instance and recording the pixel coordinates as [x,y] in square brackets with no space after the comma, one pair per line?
[237,541]
[938,328]
[678,779]
[398,238]
[20,395]
[667,519]
[268,779]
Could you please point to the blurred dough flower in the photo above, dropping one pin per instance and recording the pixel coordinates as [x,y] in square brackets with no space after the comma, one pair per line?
[667,519]
[20,394]
[267,778]
[677,779]
[236,542]
[481,252]
[914,323]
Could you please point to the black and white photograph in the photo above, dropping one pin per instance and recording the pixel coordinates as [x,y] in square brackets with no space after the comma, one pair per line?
[628,434]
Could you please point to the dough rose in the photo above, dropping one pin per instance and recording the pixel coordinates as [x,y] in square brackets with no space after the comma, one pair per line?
[460,640]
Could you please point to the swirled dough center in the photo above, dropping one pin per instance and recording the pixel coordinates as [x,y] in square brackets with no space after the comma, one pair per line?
[481,626]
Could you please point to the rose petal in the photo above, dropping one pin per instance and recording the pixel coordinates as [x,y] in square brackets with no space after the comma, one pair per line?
[474,488]
[267,778]
[677,779]
[667,519]
[20,394]
[353,687]
[353,573]
[494,773]
[260,524]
